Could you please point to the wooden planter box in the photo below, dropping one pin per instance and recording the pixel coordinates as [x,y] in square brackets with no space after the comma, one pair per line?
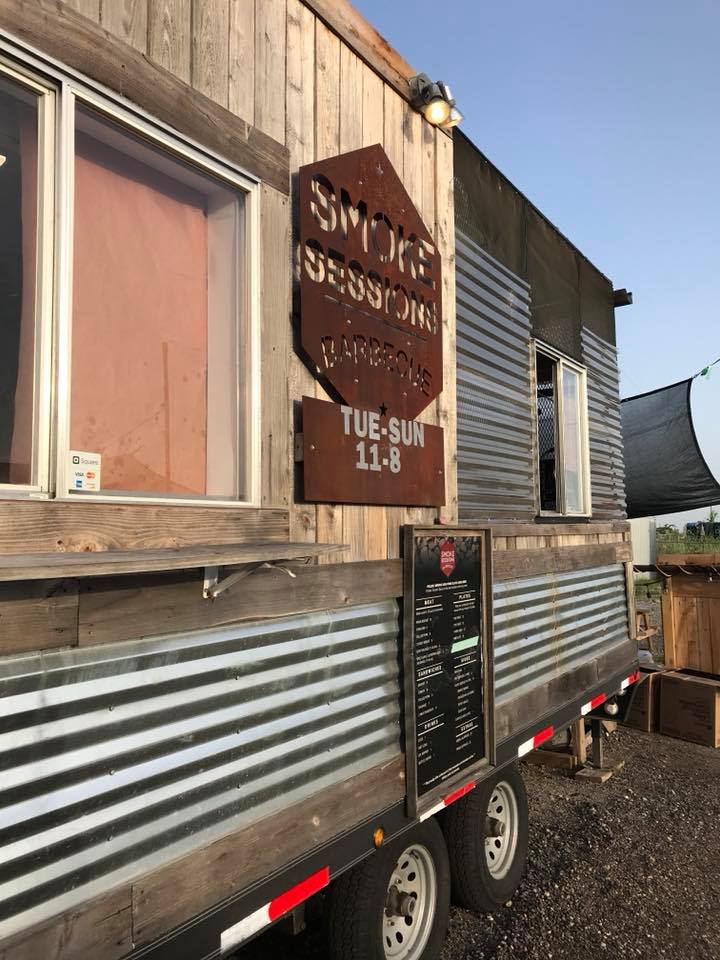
[690,708]
[691,615]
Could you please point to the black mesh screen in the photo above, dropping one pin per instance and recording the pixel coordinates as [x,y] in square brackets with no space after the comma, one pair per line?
[566,289]
[596,302]
[545,371]
[487,206]
[555,286]
[665,471]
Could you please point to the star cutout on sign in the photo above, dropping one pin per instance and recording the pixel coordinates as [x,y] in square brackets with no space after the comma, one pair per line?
[383,410]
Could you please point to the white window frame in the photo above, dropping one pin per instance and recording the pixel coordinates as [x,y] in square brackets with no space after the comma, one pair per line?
[54,352]
[561,362]
[40,485]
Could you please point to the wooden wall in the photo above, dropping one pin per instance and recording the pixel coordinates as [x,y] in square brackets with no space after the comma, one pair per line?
[278,66]
[691,622]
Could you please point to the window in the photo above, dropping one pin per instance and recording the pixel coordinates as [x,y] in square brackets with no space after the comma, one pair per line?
[563,463]
[26,202]
[156,395]
[155,390]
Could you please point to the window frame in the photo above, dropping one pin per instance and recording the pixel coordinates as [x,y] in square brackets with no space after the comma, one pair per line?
[54,283]
[562,361]
[43,373]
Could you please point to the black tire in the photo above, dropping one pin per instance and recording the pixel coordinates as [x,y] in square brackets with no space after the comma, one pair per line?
[465,827]
[356,900]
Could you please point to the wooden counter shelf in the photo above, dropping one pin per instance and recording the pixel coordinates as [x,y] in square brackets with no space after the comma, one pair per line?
[106,563]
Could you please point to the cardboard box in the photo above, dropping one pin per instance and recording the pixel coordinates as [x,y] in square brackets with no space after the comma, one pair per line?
[690,707]
[644,713]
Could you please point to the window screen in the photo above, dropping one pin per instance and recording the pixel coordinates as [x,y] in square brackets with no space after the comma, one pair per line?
[155,335]
[18,254]
[563,464]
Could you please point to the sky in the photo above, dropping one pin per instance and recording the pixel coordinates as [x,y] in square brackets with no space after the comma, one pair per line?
[606,114]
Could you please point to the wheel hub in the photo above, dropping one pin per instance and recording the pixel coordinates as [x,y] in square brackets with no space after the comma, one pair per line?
[409,905]
[501,830]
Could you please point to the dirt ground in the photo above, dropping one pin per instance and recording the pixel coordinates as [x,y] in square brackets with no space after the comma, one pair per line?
[627,869]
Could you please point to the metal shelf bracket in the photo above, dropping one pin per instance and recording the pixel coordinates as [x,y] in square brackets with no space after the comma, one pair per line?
[213,586]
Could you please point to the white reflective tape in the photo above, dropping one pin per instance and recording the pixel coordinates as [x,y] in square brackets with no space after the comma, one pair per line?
[586,708]
[244,929]
[526,747]
[432,811]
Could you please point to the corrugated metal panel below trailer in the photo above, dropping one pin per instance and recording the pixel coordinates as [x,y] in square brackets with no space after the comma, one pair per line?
[551,627]
[495,429]
[116,759]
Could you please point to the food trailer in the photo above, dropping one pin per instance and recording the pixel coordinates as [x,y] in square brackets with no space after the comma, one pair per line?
[311,488]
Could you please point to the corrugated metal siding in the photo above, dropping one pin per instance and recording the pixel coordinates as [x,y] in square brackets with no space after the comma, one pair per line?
[495,429]
[544,626]
[118,758]
[607,464]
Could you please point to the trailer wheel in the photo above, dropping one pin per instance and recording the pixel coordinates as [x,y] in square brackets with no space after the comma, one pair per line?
[395,904]
[487,837]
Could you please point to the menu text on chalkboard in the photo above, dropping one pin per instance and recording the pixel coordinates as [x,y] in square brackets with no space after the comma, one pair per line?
[447,656]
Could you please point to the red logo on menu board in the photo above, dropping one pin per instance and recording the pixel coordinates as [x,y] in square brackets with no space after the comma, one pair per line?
[447,557]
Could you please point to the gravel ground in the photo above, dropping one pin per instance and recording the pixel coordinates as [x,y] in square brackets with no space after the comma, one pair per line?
[627,869]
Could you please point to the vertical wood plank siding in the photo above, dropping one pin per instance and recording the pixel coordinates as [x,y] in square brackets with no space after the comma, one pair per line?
[279,67]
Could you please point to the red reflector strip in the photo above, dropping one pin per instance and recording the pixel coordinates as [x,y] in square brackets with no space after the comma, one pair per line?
[456,794]
[535,741]
[544,735]
[596,701]
[633,678]
[301,891]
[252,924]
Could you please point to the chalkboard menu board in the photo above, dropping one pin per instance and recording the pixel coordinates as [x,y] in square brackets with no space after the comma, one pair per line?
[446,635]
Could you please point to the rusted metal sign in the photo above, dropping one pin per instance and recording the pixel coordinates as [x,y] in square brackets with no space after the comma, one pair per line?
[354,455]
[370,288]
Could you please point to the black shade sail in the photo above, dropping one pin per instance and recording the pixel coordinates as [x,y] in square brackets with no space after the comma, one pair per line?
[665,472]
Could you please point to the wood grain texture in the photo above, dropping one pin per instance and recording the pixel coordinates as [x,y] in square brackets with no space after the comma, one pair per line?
[393,141]
[210,33]
[329,526]
[43,527]
[516,564]
[277,435]
[668,624]
[192,883]
[503,529]
[270,52]
[445,238]
[300,139]
[125,608]
[88,8]
[241,59]
[300,89]
[105,563]
[359,34]
[101,928]
[691,623]
[127,20]
[38,616]
[169,40]
[373,113]
[329,517]
[351,103]
[84,46]
[327,93]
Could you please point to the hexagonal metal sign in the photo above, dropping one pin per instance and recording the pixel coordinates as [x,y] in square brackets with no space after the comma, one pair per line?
[370,287]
